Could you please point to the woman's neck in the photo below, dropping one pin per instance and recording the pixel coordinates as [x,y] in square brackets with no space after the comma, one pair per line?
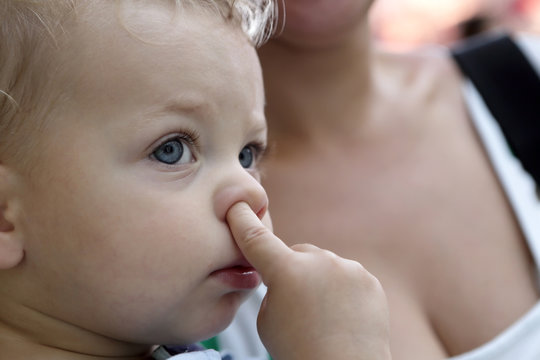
[313,91]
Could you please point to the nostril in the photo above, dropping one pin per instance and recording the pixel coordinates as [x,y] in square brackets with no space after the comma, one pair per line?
[240,189]
[262,212]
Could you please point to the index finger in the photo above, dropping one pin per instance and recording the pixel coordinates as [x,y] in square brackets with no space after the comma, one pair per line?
[258,244]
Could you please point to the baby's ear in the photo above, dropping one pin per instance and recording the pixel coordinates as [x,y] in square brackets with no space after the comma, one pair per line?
[11,245]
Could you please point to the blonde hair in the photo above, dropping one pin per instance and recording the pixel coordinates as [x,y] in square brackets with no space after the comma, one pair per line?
[256,17]
[31,28]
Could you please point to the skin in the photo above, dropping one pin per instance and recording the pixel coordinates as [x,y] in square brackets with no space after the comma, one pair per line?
[119,248]
[107,249]
[318,305]
[375,158]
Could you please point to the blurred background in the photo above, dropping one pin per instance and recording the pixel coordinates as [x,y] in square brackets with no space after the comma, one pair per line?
[408,24]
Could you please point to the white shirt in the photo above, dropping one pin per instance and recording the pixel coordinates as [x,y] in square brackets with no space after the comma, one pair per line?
[522,339]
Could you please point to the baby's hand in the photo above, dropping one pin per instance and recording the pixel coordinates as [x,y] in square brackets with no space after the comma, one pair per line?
[318,305]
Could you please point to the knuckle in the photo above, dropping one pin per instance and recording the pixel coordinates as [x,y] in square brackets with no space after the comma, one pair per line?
[332,256]
[342,264]
[370,282]
[376,284]
[254,234]
[357,270]
[305,247]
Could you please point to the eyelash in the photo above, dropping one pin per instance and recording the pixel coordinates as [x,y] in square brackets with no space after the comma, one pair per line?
[259,150]
[191,137]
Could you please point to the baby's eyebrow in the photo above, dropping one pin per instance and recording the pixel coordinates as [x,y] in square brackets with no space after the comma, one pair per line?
[190,104]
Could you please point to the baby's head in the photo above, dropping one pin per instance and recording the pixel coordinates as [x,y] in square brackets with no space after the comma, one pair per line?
[127,130]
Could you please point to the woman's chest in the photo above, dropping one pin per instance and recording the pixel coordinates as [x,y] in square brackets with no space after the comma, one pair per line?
[439,235]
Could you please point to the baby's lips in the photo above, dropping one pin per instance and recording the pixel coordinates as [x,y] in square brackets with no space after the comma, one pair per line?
[238,277]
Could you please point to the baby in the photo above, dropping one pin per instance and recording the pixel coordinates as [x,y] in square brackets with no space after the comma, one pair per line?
[130,199]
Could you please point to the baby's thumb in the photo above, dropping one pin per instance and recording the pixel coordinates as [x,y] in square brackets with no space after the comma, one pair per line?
[258,244]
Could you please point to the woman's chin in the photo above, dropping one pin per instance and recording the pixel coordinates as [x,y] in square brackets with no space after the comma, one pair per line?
[323,24]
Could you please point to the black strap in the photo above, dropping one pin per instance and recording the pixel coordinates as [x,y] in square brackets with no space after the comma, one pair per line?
[510,88]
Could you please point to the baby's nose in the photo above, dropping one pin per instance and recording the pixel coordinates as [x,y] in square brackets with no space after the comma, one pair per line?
[240,187]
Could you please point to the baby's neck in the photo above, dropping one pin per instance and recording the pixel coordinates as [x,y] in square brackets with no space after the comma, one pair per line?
[15,348]
[29,334]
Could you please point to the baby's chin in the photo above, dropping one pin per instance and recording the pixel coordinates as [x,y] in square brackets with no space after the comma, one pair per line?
[220,319]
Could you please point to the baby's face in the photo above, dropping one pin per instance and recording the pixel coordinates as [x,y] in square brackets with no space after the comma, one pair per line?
[125,233]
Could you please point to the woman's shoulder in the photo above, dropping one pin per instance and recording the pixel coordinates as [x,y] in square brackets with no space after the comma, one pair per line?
[428,72]
[530,45]
[431,57]
[436,59]
[425,83]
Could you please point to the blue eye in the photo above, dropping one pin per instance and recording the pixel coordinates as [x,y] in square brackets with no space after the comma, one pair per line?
[172,152]
[246,157]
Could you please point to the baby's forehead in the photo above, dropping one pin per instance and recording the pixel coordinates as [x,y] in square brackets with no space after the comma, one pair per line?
[256,18]
[148,21]
[194,43]
[152,58]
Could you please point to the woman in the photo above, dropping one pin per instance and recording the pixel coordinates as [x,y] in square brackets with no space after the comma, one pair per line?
[376,158]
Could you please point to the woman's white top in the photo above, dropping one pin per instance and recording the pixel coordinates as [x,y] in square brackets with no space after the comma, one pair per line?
[522,339]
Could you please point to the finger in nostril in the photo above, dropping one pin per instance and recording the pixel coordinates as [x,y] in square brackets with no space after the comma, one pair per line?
[262,212]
